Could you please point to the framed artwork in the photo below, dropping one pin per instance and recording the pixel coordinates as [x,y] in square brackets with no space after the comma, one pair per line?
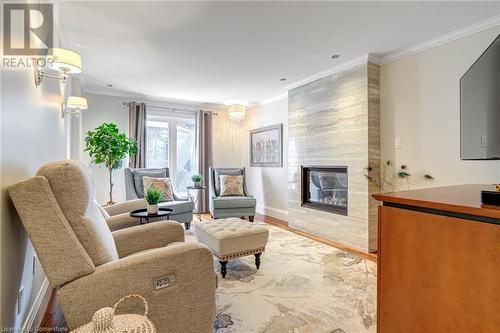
[266,146]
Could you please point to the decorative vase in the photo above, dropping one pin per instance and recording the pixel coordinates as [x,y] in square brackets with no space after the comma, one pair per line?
[152,209]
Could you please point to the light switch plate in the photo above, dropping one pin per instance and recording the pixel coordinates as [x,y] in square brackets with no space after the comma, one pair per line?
[398,142]
[484,141]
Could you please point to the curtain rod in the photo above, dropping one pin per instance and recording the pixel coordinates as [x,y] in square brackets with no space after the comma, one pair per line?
[172,109]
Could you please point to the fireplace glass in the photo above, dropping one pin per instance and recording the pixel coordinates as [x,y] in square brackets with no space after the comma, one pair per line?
[325,188]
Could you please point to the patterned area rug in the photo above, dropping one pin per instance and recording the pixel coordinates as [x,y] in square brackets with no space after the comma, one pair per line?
[301,286]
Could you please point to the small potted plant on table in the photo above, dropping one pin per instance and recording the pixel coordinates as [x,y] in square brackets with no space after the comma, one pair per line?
[153,196]
[197,180]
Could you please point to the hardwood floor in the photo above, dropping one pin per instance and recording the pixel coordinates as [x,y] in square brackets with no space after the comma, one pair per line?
[53,319]
[284,225]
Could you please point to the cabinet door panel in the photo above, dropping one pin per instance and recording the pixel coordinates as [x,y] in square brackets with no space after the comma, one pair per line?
[437,273]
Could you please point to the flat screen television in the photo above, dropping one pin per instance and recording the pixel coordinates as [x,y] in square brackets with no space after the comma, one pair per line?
[480,107]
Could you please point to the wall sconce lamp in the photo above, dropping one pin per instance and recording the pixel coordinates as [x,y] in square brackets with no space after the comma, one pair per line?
[74,105]
[62,60]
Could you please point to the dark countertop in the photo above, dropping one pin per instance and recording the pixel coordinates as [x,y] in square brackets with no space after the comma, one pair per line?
[459,199]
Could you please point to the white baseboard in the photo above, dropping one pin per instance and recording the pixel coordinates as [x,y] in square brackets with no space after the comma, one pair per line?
[35,315]
[273,212]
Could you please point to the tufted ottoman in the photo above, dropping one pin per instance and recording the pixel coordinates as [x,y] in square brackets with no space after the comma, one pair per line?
[232,238]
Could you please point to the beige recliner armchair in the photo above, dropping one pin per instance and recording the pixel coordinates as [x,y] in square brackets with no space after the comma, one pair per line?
[92,267]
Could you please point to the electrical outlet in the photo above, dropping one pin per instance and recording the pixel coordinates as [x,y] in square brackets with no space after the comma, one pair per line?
[164,282]
[34,265]
[20,300]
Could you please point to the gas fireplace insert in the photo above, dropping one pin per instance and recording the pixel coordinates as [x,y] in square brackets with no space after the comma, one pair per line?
[325,188]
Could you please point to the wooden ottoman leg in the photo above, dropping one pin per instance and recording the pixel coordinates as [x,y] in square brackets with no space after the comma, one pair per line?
[250,218]
[257,260]
[223,269]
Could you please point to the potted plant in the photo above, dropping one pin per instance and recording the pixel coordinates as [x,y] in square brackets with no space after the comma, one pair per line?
[197,180]
[153,196]
[106,145]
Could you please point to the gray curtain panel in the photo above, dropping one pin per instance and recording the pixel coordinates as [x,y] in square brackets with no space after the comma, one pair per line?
[204,151]
[137,131]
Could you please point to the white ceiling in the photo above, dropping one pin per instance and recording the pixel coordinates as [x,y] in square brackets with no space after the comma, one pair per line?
[214,51]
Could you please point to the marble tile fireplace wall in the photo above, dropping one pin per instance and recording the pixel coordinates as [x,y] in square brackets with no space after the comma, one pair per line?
[335,121]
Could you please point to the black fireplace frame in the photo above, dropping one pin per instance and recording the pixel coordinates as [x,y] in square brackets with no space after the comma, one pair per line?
[304,170]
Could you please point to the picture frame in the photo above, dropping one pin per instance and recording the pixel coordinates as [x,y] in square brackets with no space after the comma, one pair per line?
[266,146]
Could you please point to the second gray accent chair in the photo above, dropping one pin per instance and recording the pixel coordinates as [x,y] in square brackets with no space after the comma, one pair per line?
[224,207]
[183,208]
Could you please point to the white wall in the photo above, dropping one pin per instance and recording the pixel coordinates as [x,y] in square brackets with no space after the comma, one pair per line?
[227,139]
[32,133]
[268,185]
[420,103]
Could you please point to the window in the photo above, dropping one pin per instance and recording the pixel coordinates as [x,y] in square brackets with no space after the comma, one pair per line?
[171,142]
[186,136]
[157,144]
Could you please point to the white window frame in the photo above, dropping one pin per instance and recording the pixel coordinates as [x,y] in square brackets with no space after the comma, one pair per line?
[173,119]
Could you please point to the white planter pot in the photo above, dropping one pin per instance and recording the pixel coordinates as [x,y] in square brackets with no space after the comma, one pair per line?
[197,184]
[152,209]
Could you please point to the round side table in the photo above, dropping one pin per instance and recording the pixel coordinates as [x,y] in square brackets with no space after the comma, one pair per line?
[143,216]
[195,198]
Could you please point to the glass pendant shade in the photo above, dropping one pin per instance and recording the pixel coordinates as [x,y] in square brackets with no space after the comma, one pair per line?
[237,112]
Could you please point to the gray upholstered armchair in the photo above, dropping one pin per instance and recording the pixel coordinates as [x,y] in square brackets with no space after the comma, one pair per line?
[183,208]
[92,267]
[222,207]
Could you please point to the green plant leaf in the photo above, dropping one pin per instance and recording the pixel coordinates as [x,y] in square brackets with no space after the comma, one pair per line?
[106,145]
[196,178]
[153,195]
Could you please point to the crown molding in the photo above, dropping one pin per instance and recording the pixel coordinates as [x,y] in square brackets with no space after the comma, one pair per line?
[369,57]
[113,92]
[374,59]
[443,39]
[273,99]
[339,68]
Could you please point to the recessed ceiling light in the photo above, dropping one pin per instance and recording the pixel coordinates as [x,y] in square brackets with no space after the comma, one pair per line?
[335,56]
[109,85]
[283,79]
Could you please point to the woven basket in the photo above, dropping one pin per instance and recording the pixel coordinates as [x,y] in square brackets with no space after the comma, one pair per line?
[105,321]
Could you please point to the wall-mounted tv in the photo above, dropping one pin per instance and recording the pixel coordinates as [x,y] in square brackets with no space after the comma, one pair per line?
[480,107]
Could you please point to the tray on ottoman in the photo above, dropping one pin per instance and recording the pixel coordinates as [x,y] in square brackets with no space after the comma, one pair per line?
[233,238]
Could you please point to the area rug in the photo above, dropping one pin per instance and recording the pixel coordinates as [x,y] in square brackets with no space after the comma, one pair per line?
[301,286]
